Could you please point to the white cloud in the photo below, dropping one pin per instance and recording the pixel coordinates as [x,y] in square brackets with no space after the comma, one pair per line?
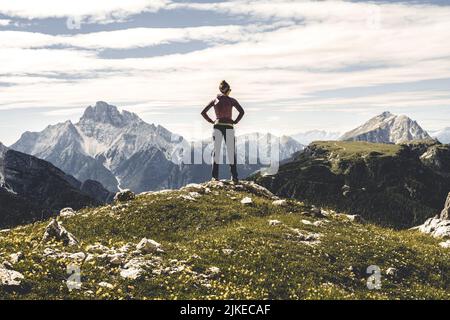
[267,68]
[130,38]
[93,11]
[4,22]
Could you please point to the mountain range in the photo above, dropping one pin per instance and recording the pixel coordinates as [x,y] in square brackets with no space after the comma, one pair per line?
[442,135]
[307,137]
[120,150]
[387,128]
[33,189]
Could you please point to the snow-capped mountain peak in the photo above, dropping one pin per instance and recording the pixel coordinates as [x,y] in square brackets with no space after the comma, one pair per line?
[103,112]
[387,128]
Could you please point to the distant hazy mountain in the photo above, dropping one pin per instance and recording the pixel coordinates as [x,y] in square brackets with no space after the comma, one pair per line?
[120,150]
[287,145]
[442,135]
[307,137]
[387,128]
[32,189]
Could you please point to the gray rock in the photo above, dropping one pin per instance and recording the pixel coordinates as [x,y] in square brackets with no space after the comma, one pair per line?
[274,222]
[148,246]
[247,201]
[67,212]
[445,244]
[15,257]
[355,218]
[437,228]
[10,278]
[445,214]
[392,272]
[56,231]
[280,203]
[124,196]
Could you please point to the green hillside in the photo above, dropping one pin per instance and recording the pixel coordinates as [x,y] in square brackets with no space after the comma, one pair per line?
[215,247]
[398,186]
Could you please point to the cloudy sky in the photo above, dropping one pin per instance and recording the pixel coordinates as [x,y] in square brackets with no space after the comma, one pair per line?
[293,65]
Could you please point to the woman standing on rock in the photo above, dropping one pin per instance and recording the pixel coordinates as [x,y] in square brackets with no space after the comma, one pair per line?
[224,128]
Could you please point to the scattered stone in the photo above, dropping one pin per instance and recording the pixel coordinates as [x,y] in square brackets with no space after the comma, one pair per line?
[55,230]
[247,201]
[214,270]
[10,278]
[274,222]
[135,268]
[97,248]
[67,212]
[186,197]
[149,246]
[280,203]
[106,285]
[89,257]
[194,194]
[392,272]
[15,257]
[227,251]
[307,222]
[116,259]
[78,256]
[315,212]
[445,244]
[124,196]
[355,218]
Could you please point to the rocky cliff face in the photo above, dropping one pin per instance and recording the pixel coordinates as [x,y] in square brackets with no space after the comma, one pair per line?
[394,185]
[32,189]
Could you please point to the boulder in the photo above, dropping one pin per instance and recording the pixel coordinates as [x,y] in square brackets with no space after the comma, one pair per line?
[445,214]
[67,212]
[247,201]
[392,272]
[274,222]
[106,285]
[280,203]
[78,256]
[148,246]
[445,244]
[15,257]
[355,218]
[437,228]
[124,196]
[56,231]
[10,278]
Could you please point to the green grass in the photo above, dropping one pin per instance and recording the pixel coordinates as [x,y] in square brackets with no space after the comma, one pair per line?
[266,261]
[349,150]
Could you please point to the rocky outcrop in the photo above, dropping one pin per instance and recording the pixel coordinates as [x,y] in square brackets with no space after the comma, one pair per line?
[56,231]
[387,184]
[32,189]
[124,196]
[438,227]
[445,214]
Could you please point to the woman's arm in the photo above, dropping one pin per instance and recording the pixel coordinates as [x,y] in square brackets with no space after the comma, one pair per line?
[240,110]
[205,112]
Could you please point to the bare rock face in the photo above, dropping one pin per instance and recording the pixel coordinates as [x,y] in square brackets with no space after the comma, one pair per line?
[445,214]
[55,230]
[438,228]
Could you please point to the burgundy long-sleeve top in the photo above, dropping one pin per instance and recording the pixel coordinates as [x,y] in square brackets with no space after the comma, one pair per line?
[223,107]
